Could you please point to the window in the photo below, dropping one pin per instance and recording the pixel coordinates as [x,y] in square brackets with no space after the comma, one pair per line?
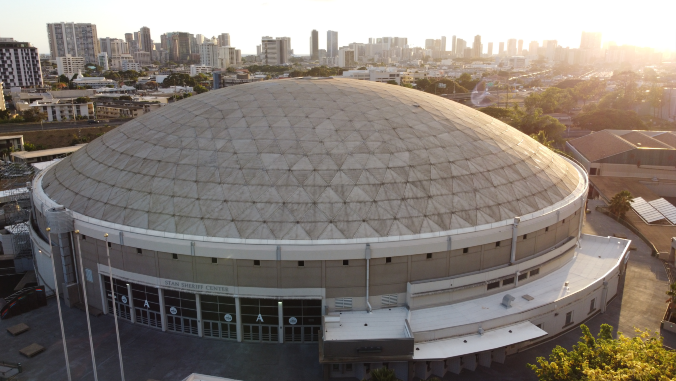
[214,260]
[534,272]
[523,276]
[525,236]
[335,367]
[84,237]
[592,305]
[348,367]
[569,318]
[388,260]
[547,229]
[497,244]
[465,250]
[563,222]
[174,256]
[257,262]
[429,255]
[493,285]
[139,251]
[507,281]
[301,263]
[346,262]
[592,171]
[540,326]
[110,244]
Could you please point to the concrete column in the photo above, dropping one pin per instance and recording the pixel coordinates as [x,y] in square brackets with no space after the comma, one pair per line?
[515,228]
[200,327]
[131,304]
[582,214]
[604,297]
[238,316]
[163,312]
[104,302]
[280,313]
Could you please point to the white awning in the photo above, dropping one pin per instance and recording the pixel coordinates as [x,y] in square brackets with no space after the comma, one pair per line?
[462,345]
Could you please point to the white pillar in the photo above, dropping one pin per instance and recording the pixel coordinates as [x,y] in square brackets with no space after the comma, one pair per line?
[163,313]
[280,312]
[131,304]
[200,328]
[238,316]
[604,297]
[515,226]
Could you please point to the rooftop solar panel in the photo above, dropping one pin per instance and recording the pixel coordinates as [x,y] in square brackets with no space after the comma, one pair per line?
[665,208]
[646,211]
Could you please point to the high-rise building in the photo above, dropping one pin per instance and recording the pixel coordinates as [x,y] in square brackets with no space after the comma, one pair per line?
[103,61]
[429,43]
[78,40]
[476,47]
[332,43]
[346,57]
[146,42]
[489,52]
[511,47]
[224,39]
[20,65]
[460,46]
[275,51]
[179,46]
[443,43]
[69,65]
[453,43]
[113,46]
[129,38]
[590,40]
[400,42]
[550,49]
[501,49]
[228,56]
[519,48]
[208,54]
[533,48]
[314,45]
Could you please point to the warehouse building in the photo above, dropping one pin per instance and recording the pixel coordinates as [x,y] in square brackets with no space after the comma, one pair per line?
[389,226]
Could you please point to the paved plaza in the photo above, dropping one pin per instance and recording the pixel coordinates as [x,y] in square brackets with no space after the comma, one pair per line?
[151,354]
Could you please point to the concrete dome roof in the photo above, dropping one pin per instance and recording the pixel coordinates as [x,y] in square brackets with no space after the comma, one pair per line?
[311,159]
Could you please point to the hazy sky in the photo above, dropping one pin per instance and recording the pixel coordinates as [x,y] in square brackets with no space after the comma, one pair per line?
[644,23]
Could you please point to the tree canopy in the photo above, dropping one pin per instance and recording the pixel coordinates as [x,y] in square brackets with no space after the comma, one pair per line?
[529,122]
[604,358]
[321,71]
[604,119]
[179,79]
[551,100]
[620,203]
[199,89]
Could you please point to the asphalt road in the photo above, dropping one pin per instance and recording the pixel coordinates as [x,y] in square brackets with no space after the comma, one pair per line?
[25,127]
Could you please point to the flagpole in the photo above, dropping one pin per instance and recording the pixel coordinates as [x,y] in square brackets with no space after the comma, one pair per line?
[84,291]
[58,303]
[112,296]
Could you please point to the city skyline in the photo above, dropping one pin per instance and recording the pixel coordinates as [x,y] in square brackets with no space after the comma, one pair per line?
[595,18]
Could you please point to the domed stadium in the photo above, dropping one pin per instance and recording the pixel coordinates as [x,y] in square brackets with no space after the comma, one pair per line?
[350,213]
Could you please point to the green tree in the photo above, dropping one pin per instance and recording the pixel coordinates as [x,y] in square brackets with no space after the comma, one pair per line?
[551,100]
[33,147]
[64,79]
[535,121]
[542,138]
[671,301]
[383,374]
[620,204]
[82,100]
[199,89]
[33,115]
[392,82]
[604,358]
[125,98]
[597,119]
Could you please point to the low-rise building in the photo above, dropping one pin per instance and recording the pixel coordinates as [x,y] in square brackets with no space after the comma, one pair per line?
[199,69]
[44,155]
[119,111]
[94,82]
[12,142]
[382,75]
[57,111]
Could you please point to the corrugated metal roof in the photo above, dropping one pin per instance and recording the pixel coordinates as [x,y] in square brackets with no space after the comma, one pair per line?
[600,145]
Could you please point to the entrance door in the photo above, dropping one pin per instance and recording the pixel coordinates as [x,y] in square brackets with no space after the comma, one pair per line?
[121,298]
[219,316]
[302,320]
[146,305]
[259,319]
[181,310]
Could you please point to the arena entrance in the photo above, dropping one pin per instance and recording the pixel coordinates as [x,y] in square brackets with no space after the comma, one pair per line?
[146,305]
[181,311]
[259,320]
[219,316]
[302,320]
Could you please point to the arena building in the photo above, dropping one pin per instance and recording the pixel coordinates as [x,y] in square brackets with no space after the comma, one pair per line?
[390,226]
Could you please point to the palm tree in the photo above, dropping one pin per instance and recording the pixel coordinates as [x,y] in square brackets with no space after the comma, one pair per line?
[621,203]
[542,138]
[383,374]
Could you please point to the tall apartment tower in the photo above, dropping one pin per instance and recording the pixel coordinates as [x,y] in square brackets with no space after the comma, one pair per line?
[78,40]
[501,48]
[224,39]
[476,47]
[453,45]
[460,46]
[590,40]
[146,43]
[314,45]
[489,52]
[20,65]
[533,48]
[443,43]
[275,51]
[511,47]
[519,49]
[208,54]
[332,44]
